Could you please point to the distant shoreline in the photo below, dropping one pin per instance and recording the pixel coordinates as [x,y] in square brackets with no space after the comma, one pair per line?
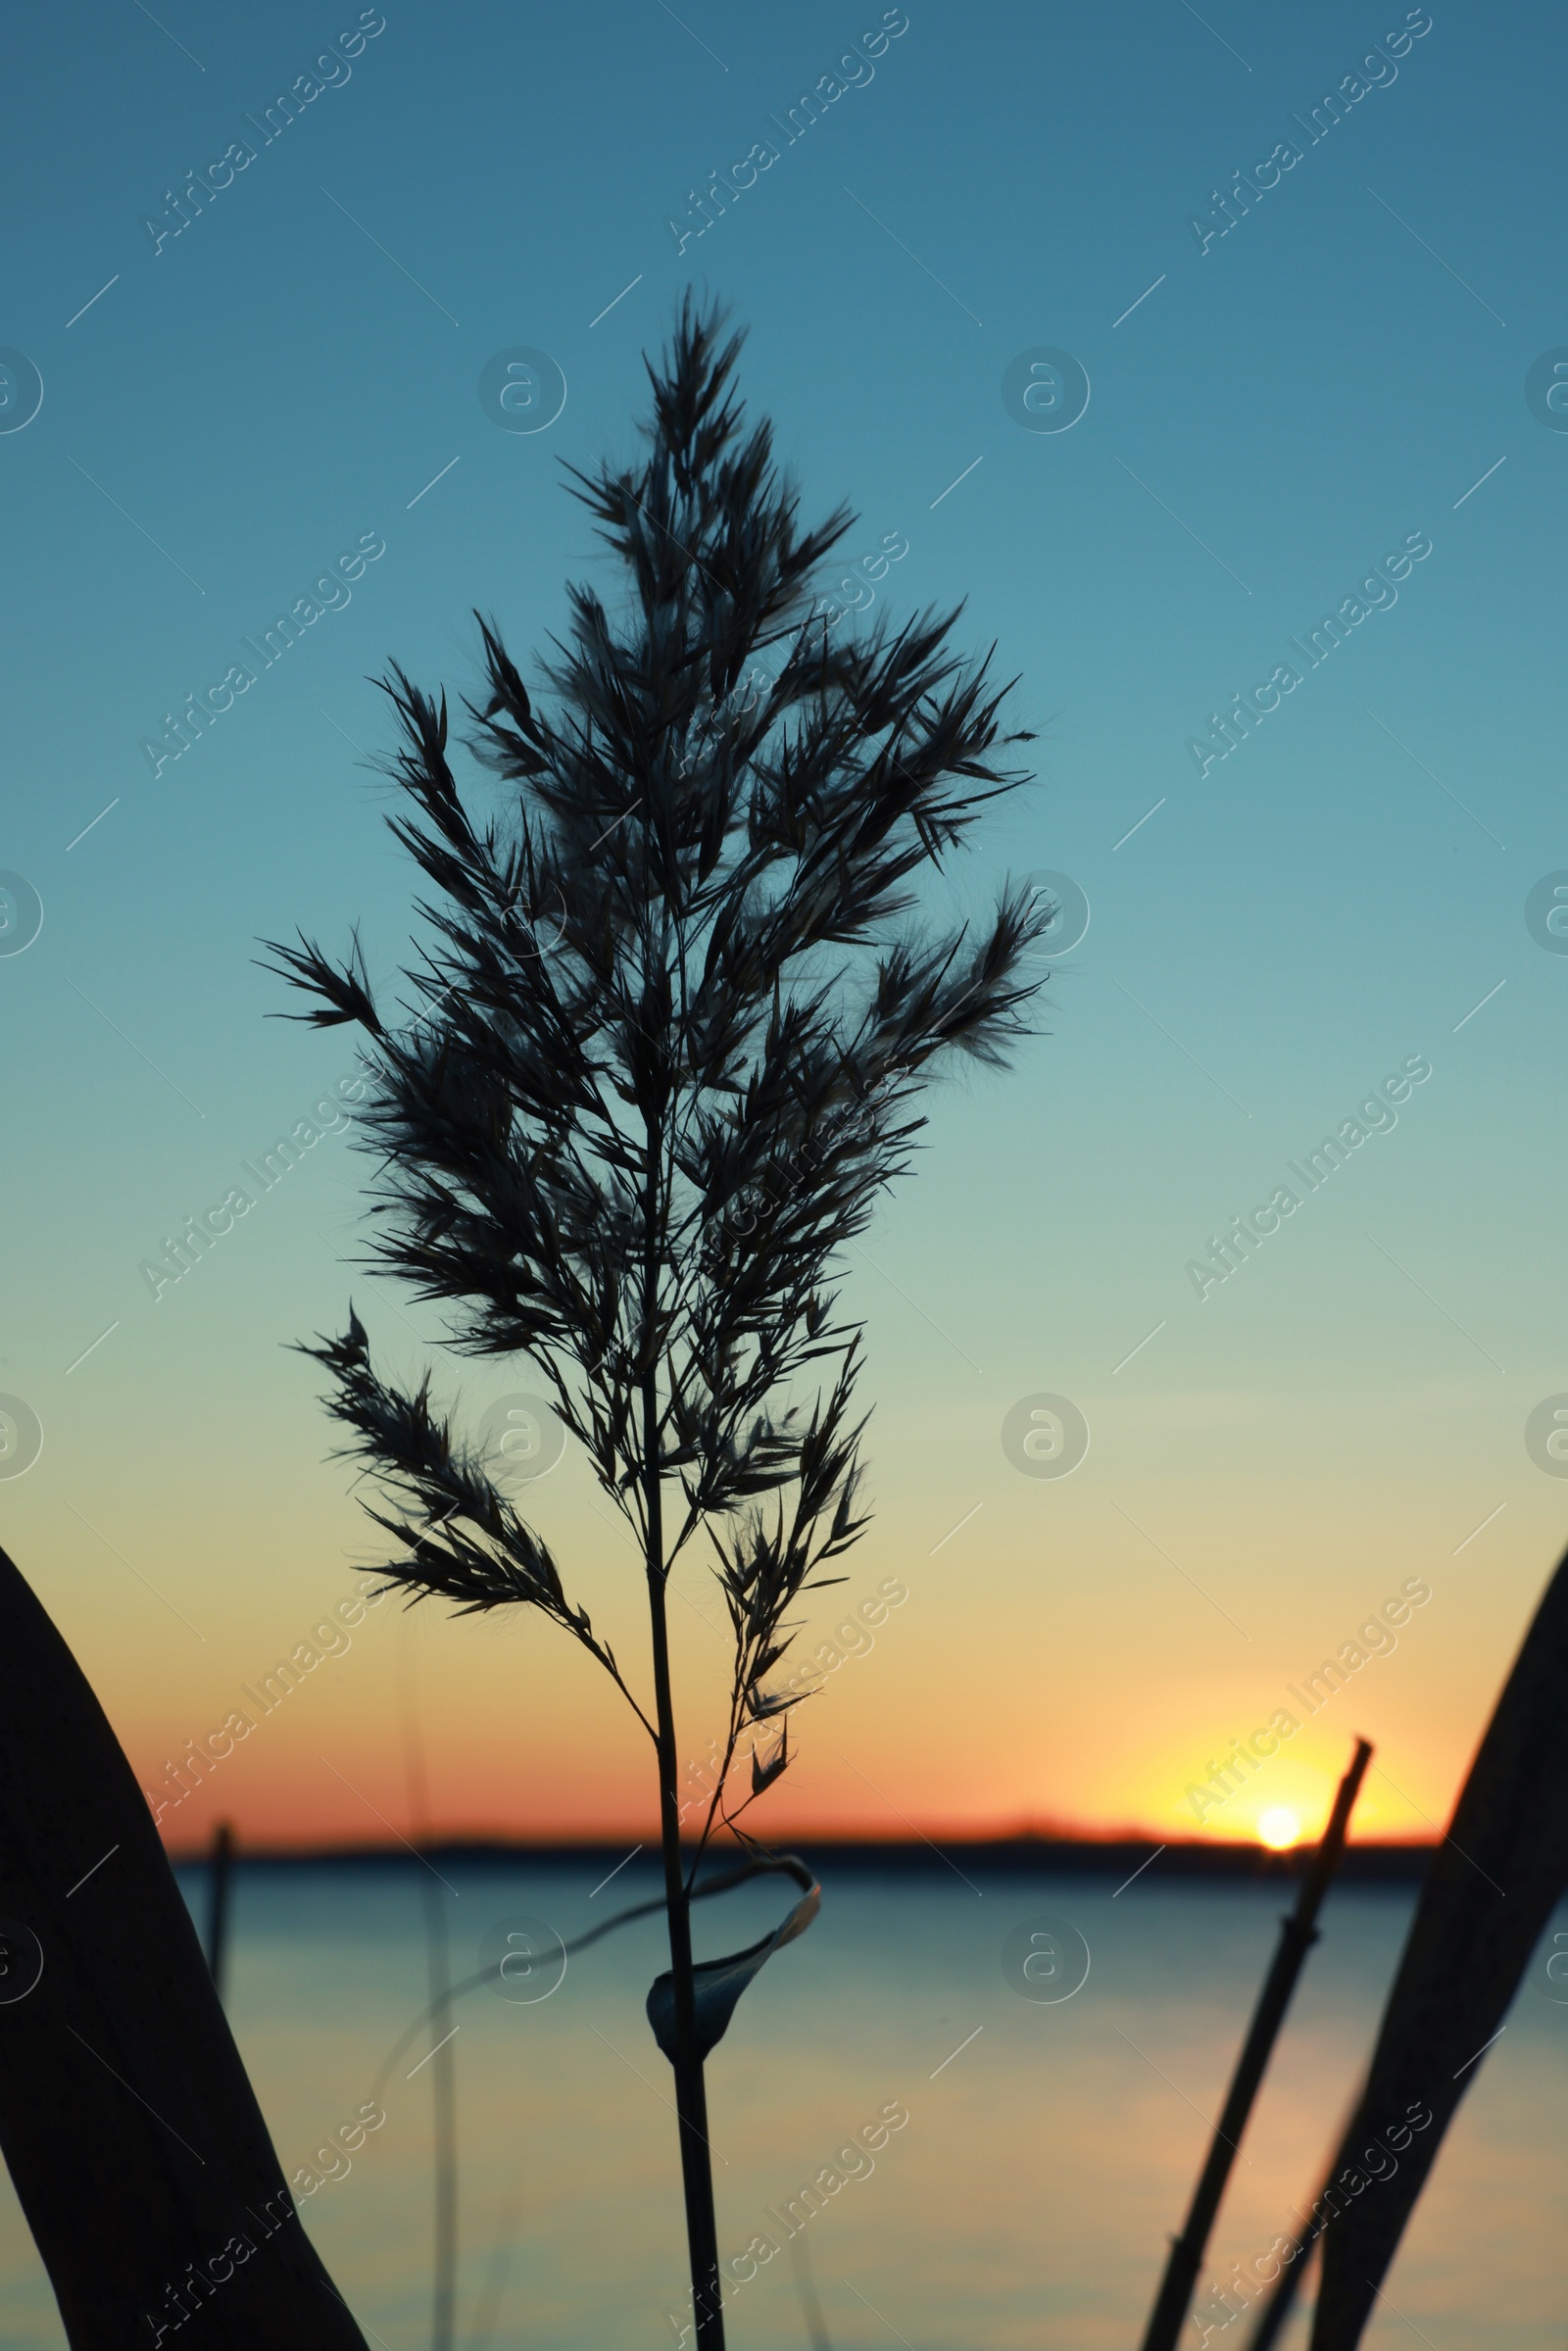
[1062,1857]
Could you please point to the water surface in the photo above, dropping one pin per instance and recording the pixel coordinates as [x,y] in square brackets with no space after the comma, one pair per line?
[1026,2203]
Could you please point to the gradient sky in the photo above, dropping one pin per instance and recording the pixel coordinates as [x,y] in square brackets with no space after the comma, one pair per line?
[1273,417]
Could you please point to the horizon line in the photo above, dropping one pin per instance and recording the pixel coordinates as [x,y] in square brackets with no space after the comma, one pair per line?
[1017,1842]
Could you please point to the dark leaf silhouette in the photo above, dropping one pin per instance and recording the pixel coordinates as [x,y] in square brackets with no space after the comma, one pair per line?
[1487,1895]
[763,1774]
[719,1983]
[129,2129]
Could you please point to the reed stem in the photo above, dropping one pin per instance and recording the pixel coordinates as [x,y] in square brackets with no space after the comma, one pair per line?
[1297,1934]
[691,2095]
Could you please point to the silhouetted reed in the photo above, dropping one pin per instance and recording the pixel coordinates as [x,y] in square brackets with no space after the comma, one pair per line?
[670,1017]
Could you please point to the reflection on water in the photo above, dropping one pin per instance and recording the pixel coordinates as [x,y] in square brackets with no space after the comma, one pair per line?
[1048,2147]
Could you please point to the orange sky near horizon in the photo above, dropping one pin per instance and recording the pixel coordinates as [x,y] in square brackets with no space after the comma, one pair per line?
[1267,1468]
[991,1700]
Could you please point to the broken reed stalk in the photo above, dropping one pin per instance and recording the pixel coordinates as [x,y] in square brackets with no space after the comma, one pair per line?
[1297,1934]
[218,1888]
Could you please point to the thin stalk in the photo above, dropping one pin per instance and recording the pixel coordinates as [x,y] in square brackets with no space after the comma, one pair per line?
[444,2091]
[691,2095]
[810,2300]
[487,2309]
[219,1868]
[444,2060]
[1297,1934]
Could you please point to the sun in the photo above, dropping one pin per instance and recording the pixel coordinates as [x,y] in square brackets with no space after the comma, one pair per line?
[1279,1828]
